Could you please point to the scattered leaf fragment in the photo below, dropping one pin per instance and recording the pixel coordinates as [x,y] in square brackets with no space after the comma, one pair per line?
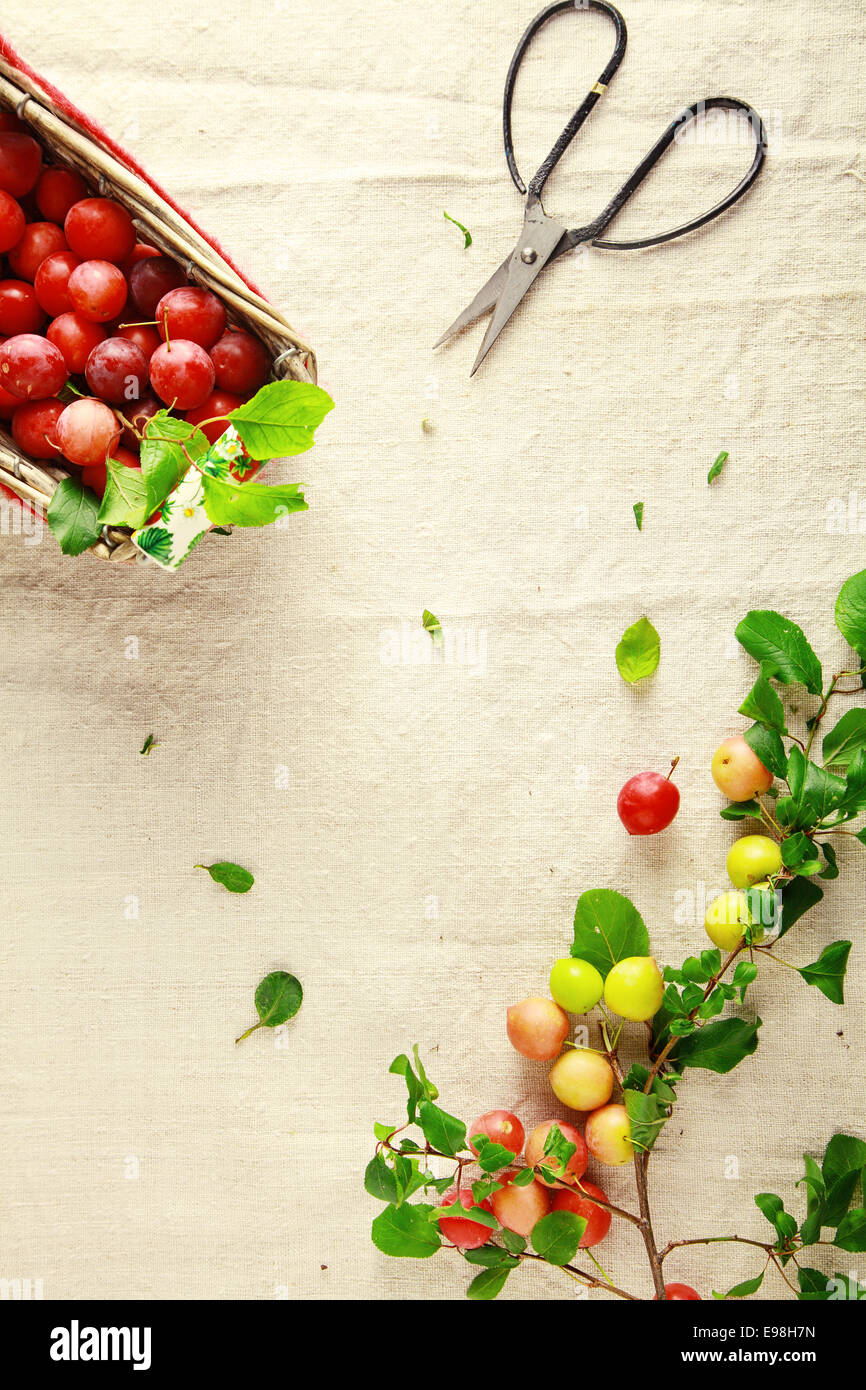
[637,508]
[431,624]
[231,876]
[467,236]
[149,742]
[718,466]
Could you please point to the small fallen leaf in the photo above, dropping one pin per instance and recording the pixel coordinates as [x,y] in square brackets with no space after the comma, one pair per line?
[718,465]
[231,876]
[431,624]
[467,236]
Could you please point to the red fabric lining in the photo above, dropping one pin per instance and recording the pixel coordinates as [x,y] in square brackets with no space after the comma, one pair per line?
[72,112]
[25,506]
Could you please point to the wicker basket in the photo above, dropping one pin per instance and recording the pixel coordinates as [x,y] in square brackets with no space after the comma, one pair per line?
[70,139]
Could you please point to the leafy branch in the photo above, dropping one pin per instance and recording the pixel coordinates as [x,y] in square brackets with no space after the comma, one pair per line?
[802,803]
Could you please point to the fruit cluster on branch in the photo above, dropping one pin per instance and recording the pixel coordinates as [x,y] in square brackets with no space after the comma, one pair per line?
[546,1209]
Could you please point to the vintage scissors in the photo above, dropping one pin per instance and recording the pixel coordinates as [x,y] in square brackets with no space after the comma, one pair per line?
[542,240]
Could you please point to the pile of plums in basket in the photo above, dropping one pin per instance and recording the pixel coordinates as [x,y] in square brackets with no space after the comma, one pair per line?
[99,331]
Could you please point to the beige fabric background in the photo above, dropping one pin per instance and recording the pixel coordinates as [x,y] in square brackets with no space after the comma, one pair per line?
[322,143]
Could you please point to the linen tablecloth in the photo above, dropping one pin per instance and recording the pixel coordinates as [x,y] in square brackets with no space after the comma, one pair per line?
[420,831]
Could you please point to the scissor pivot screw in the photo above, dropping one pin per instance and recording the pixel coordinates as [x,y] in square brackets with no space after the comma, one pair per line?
[529,255]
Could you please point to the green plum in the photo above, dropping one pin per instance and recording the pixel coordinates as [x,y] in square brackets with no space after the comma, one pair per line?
[575,985]
[634,988]
[752,858]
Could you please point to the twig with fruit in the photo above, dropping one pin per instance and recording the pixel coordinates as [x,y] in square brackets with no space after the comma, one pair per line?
[544,1209]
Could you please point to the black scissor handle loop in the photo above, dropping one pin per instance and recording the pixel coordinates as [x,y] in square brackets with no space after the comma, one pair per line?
[586,105]
[662,144]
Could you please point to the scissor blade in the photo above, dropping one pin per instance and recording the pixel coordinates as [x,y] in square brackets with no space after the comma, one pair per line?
[484,301]
[540,235]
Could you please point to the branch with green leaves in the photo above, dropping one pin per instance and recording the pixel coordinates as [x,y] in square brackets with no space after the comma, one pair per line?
[702,1017]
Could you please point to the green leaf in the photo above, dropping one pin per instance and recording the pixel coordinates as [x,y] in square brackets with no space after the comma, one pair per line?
[489,1282]
[719,1046]
[512,1241]
[845,738]
[149,742]
[696,971]
[556,1237]
[491,1256]
[607,928]
[126,501]
[853,799]
[174,429]
[406,1232]
[816,793]
[431,624]
[815,1286]
[637,508]
[523,1177]
[281,419]
[832,868]
[744,1290]
[718,466]
[379,1180]
[278,998]
[767,745]
[475,1213]
[813,1180]
[483,1188]
[828,971]
[682,1027]
[741,810]
[851,611]
[249,504]
[692,997]
[799,854]
[764,706]
[467,236]
[443,1131]
[851,1234]
[401,1066]
[798,896]
[73,516]
[163,464]
[491,1156]
[773,1209]
[781,649]
[430,1091]
[231,876]
[745,973]
[713,1004]
[844,1154]
[557,1148]
[637,653]
[646,1116]
[837,1200]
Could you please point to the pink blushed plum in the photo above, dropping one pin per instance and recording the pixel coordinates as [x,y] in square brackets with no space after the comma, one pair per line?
[537,1028]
